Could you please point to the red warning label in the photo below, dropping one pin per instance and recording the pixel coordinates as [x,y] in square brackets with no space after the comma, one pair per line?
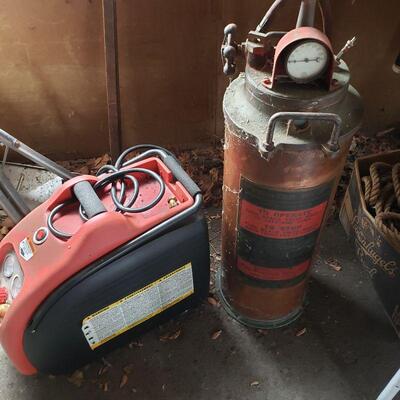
[278,224]
[272,274]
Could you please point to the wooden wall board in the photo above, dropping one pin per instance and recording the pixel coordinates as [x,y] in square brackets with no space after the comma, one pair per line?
[52,83]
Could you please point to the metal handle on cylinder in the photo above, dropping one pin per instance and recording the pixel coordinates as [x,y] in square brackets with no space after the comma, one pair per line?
[331,146]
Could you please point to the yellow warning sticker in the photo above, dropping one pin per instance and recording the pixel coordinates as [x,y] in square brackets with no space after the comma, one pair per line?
[138,307]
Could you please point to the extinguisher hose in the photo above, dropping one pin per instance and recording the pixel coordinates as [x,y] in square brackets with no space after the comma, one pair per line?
[118,175]
[324,7]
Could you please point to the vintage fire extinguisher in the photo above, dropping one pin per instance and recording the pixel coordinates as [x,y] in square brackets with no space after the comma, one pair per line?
[289,122]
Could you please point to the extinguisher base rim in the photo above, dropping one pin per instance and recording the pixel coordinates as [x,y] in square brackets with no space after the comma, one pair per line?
[250,322]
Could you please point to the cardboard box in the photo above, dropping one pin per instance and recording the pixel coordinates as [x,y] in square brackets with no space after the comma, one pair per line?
[378,254]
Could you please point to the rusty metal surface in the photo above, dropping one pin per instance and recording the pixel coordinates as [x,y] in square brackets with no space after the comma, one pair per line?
[264,146]
[287,170]
[248,105]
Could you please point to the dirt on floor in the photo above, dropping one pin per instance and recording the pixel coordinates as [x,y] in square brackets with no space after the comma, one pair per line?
[343,347]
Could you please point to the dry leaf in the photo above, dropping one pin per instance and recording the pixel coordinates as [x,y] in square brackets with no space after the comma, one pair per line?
[124,381]
[77,378]
[128,369]
[212,301]
[335,264]
[84,170]
[8,223]
[105,362]
[254,383]
[104,386]
[164,338]
[216,334]
[170,336]
[175,335]
[3,310]
[135,343]
[100,161]
[102,370]
[301,332]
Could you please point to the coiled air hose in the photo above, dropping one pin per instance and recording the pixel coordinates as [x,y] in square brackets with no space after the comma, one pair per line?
[116,175]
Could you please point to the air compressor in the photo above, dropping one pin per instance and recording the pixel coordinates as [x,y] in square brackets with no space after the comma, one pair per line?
[289,122]
[104,259]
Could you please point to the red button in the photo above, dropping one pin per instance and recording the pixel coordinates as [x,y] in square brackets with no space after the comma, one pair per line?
[3,295]
[40,234]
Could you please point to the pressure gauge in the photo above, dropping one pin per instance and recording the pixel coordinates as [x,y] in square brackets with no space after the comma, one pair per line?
[16,285]
[8,265]
[306,61]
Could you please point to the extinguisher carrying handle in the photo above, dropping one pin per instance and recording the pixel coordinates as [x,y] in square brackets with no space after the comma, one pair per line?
[331,146]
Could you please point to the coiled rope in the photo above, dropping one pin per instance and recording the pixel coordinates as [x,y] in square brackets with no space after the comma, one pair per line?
[382,196]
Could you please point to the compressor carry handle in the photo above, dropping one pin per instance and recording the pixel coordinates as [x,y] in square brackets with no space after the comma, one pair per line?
[331,146]
[181,175]
[171,162]
[88,198]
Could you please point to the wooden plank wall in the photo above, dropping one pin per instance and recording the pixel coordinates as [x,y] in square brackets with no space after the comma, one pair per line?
[52,84]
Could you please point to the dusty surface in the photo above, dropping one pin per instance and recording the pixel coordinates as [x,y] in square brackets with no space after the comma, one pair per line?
[342,348]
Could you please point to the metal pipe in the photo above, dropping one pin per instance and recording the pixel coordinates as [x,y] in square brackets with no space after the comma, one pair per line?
[37,158]
[275,5]
[324,6]
[9,208]
[12,194]
[306,16]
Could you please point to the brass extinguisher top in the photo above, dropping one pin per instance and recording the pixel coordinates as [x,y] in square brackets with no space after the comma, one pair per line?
[288,72]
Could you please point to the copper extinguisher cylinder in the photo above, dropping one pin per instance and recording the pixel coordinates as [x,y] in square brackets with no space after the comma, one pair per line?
[281,171]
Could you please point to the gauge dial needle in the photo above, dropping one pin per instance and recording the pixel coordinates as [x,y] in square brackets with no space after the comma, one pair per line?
[306,60]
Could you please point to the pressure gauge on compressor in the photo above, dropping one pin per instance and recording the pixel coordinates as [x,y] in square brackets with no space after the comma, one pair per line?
[306,61]
[16,286]
[8,266]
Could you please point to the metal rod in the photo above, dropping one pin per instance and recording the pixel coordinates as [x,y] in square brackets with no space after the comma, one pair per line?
[12,194]
[37,158]
[266,19]
[5,155]
[112,76]
[306,15]
[10,209]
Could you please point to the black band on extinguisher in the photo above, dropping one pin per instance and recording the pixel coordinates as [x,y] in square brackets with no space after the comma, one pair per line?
[277,232]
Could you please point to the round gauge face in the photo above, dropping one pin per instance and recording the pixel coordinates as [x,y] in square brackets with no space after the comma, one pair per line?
[8,266]
[16,286]
[306,61]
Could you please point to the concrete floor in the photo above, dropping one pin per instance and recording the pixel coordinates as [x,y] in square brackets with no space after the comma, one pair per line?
[349,350]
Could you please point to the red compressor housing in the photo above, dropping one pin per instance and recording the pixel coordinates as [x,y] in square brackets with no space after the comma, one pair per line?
[101,261]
